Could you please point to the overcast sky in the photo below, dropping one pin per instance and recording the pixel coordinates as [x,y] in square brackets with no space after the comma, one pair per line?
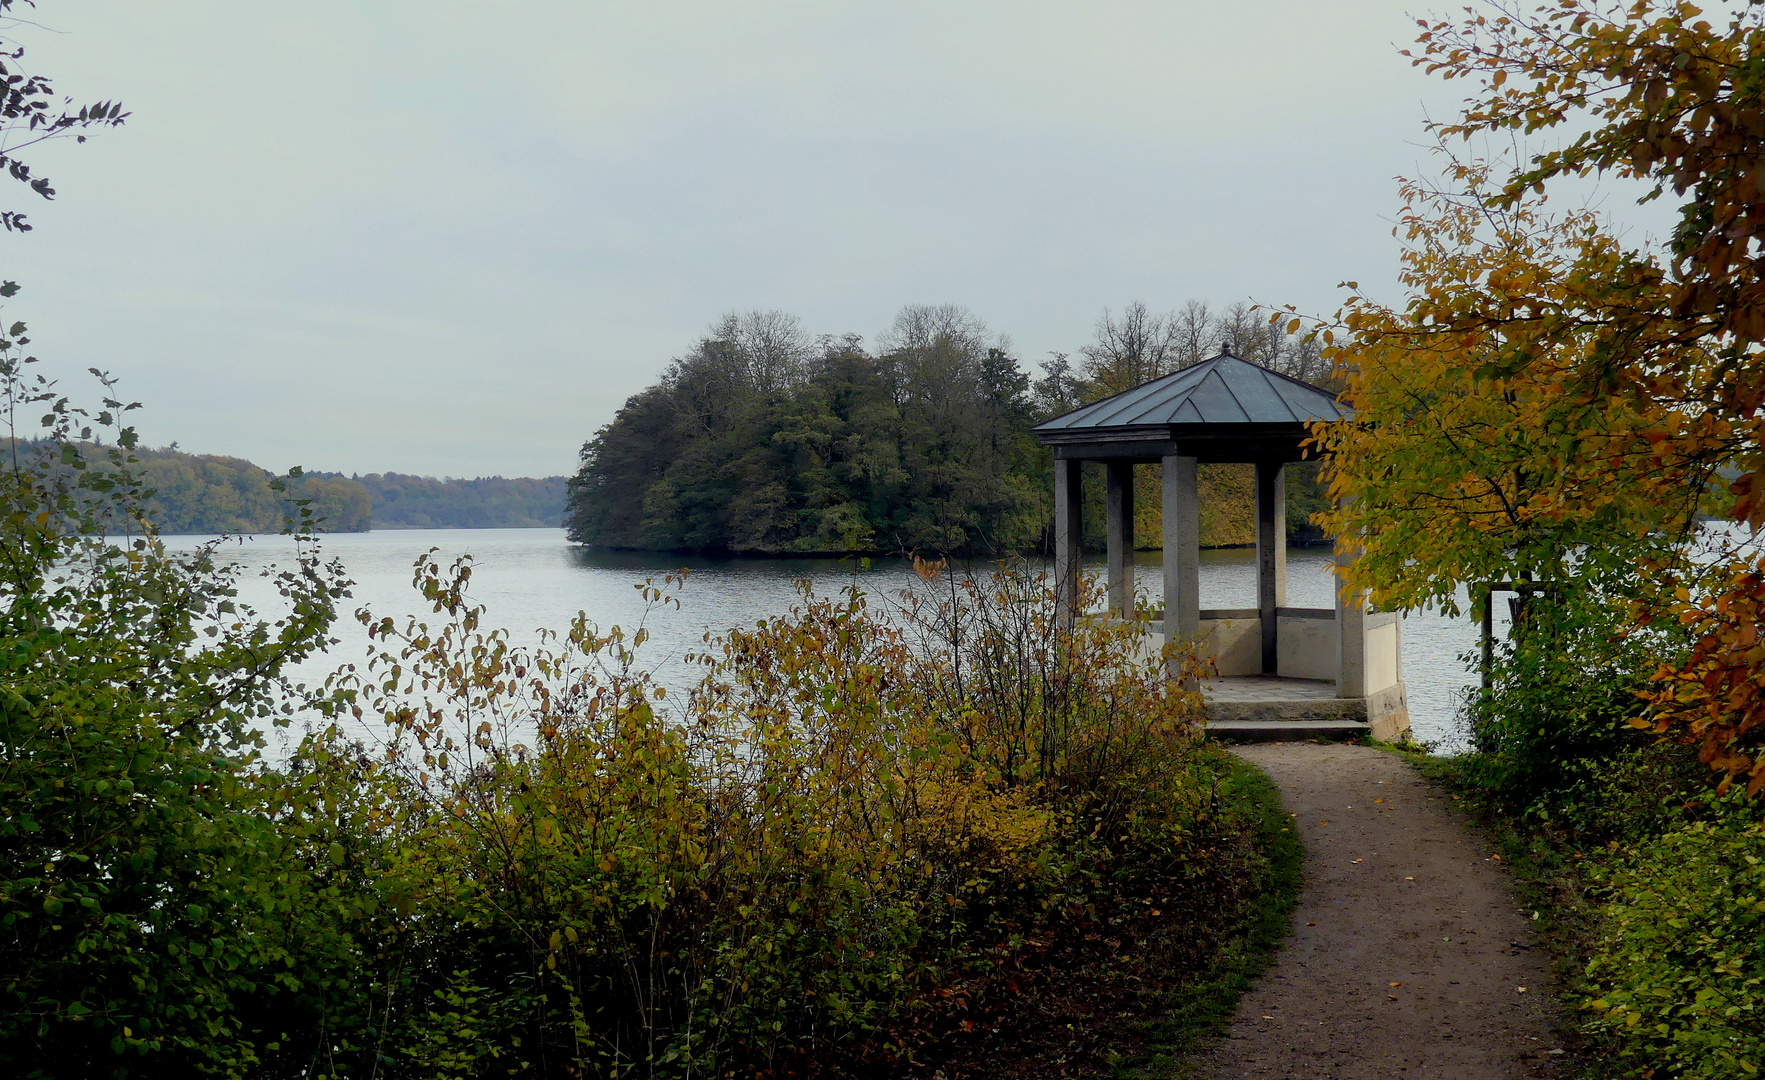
[451,239]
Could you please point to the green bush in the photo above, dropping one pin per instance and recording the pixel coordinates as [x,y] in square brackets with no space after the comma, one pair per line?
[165,903]
[1553,724]
[1660,883]
[1679,965]
[829,858]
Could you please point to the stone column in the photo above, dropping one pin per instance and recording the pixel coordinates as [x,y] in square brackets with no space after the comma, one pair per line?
[1069,530]
[1351,639]
[1121,536]
[1182,550]
[1271,556]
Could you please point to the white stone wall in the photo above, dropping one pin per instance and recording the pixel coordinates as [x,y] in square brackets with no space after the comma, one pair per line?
[1384,665]
[1306,648]
[1236,645]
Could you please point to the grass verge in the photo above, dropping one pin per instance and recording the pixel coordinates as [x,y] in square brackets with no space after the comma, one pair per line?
[1200,1008]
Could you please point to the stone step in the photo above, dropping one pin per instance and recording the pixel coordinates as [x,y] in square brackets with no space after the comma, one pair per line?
[1332,710]
[1287,730]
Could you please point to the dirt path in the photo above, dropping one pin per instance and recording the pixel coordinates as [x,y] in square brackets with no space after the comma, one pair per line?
[1408,957]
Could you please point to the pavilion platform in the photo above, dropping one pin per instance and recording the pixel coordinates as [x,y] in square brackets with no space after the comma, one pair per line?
[1266,708]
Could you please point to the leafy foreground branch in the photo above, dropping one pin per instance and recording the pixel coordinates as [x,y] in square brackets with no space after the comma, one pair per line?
[159,908]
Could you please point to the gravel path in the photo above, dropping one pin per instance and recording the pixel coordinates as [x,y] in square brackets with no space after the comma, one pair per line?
[1407,957]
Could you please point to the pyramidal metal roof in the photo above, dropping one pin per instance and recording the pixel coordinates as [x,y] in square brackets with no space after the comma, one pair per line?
[1223,390]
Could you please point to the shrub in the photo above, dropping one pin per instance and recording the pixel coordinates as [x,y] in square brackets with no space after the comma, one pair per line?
[854,844]
[165,903]
[1679,965]
[823,860]
[1554,722]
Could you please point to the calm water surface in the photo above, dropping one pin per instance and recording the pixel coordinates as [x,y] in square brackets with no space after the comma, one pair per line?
[528,579]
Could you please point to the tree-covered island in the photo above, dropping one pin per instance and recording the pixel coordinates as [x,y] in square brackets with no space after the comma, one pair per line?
[766,440]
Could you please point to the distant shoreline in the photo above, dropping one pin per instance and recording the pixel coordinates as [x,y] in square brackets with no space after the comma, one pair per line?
[710,553]
[364,532]
[454,528]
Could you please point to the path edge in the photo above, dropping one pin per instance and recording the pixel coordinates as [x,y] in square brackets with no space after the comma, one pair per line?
[1199,1012]
[1548,882]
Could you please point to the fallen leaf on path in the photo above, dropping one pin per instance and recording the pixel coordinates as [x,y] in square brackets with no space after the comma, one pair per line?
[1399,983]
[1311,924]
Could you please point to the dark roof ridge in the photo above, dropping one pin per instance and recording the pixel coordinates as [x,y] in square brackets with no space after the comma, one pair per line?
[1280,399]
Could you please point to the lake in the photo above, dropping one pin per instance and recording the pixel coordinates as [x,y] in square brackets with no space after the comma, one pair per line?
[528,579]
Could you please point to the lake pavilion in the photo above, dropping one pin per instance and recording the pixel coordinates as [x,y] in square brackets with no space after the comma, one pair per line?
[1283,672]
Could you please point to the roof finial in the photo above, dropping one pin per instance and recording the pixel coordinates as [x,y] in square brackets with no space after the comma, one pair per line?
[1226,348]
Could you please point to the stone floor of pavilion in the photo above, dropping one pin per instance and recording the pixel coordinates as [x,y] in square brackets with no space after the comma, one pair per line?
[1263,707]
[1246,688]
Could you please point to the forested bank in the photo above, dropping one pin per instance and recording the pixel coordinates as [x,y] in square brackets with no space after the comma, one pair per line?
[402,501]
[205,494]
[766,439]
[211,493]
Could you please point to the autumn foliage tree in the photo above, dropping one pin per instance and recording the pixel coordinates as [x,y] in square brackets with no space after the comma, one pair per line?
[1598,387]
[1477,452]
[1473,457]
